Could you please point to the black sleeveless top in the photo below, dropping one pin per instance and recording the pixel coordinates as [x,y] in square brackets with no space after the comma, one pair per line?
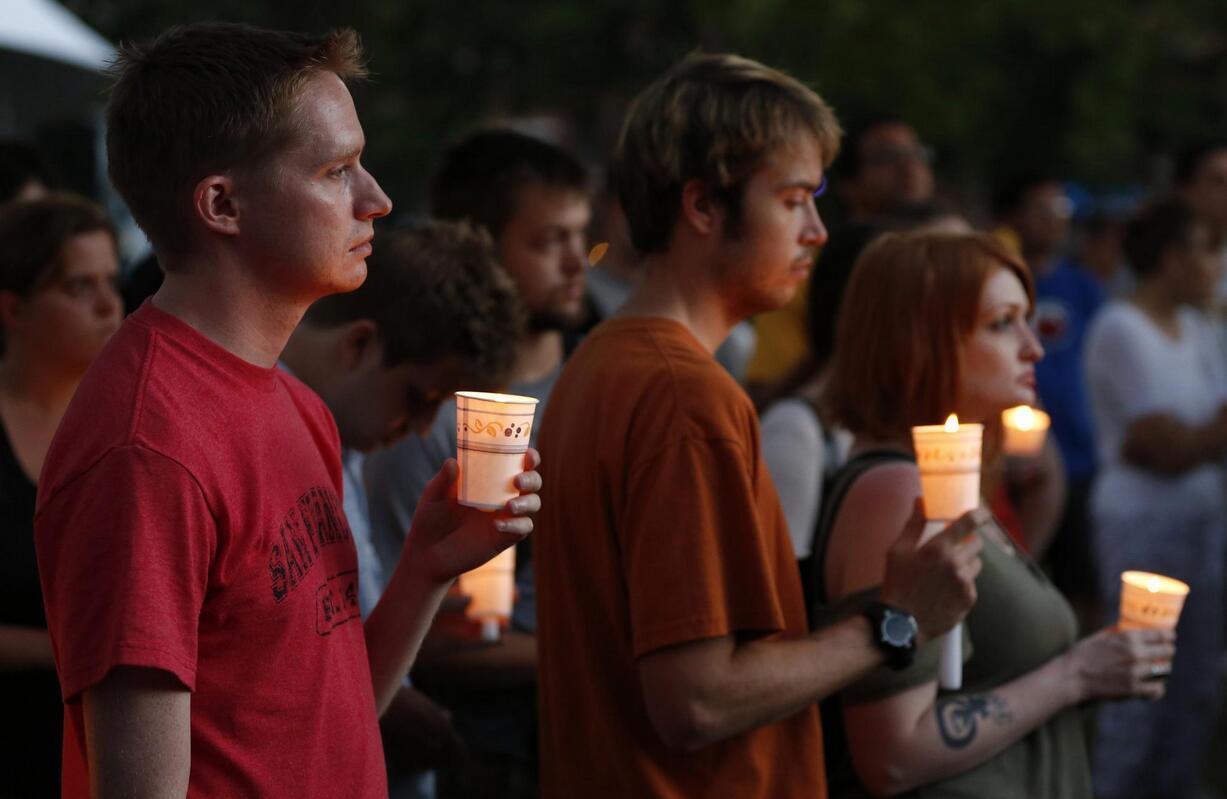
[33,713]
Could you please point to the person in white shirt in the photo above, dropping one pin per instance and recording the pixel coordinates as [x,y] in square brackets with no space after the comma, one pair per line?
[1158,388]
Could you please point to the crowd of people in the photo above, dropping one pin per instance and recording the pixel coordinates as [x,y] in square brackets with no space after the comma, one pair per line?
[230,531]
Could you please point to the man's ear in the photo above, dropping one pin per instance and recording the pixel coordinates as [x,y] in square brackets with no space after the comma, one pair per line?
[214,203]
[359,342]
[700,210]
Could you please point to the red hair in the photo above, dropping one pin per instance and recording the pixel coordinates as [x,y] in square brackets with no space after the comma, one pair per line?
[911,303]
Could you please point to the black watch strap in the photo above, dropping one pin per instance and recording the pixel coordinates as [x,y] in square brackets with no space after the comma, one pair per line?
[893,632]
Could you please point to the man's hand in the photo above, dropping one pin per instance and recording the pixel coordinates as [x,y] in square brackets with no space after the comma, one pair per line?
[936,581]
[448,539]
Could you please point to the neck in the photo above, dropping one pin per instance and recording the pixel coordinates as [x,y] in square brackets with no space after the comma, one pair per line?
[537,355]
[231,309]
[1041,261]
[1156,302]
[679,289]
[28,380]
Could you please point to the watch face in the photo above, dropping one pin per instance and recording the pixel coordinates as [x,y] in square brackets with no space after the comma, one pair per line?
[898,629]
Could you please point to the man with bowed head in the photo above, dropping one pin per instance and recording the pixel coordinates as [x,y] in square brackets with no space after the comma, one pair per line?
[673,650]
[200,580]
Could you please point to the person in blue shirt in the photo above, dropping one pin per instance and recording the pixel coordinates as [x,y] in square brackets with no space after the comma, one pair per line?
[1037,210]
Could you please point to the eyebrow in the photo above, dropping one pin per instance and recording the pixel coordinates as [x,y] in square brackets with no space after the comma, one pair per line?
[816,189]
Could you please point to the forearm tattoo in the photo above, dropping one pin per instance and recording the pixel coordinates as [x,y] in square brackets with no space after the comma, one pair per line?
[958,718]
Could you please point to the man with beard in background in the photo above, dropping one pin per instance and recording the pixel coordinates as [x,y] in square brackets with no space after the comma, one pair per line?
[533,198]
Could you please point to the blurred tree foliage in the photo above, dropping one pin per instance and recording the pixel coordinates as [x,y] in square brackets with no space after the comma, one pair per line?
[1101,91]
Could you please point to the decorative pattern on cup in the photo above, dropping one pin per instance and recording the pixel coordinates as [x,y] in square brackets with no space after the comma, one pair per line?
[494,429]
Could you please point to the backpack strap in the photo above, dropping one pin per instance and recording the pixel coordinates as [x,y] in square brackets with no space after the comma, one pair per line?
[832,500]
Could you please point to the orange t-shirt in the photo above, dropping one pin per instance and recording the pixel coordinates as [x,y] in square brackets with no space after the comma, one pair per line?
[659,526]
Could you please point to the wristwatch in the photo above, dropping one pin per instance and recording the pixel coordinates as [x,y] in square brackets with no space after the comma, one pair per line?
[893,632]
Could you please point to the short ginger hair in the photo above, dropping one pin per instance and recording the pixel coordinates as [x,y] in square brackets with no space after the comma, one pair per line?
[207,98]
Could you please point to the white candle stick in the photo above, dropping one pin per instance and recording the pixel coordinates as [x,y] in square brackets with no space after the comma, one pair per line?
[948,457]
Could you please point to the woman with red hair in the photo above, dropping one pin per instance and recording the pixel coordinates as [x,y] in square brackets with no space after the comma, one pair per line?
[933,324]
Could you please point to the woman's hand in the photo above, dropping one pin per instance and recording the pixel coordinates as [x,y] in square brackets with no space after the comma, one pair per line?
[1123,664]
[448,539]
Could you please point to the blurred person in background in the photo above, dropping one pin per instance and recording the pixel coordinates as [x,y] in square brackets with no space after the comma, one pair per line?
[942,319]
[885,170]
[435,314]
[532,198]
[802,446]
[1037,211]
[24,175]
[58,306]
[1158,388]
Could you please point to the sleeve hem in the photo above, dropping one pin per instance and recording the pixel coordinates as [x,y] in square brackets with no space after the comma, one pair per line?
[78,680]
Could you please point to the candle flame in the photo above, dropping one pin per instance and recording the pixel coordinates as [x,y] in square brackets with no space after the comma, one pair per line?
[952,424]
[1024,418]
[1153,585]
[597,253]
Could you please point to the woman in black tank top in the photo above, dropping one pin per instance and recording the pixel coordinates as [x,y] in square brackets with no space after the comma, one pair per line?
[934,323]
[58,306]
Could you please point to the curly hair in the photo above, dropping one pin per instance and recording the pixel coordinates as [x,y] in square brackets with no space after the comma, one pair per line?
[435,291]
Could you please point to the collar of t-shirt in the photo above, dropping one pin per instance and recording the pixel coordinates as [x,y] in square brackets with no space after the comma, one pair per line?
[257,377]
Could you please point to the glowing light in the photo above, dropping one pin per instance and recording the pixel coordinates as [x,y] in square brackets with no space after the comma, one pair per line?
[952,424]
[597,253]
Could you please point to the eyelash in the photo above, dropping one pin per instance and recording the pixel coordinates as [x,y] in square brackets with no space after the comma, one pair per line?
[1002,323]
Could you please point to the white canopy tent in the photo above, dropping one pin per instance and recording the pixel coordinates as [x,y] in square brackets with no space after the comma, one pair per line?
[52,92]
[47,30]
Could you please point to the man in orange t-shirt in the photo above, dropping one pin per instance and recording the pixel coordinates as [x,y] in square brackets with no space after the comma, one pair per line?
[673,653]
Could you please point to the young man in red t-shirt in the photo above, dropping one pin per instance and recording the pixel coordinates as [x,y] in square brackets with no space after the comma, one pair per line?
[200,579]
[672,642]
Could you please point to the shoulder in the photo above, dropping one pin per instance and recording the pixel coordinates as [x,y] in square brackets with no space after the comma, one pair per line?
[129,471]
[793,420]
[1117,319]
[869,521]
[654,372]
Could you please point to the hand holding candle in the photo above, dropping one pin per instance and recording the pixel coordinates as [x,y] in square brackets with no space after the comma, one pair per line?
[948,457]
[1025,429]
[492,434]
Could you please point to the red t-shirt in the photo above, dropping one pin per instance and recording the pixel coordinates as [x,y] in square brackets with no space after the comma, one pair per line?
[189,519]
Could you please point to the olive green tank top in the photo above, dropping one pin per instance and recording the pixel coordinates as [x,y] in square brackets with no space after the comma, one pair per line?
[1019,622]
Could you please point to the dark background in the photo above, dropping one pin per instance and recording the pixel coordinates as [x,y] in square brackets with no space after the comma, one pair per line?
[1099,91]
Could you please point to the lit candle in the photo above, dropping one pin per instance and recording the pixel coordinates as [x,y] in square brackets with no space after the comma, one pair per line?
[1150,601]
[948,456]
[491,590]
[1025,429]
[492,434]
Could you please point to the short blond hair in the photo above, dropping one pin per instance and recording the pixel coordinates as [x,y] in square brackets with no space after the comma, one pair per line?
[204,98]
[712,117]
